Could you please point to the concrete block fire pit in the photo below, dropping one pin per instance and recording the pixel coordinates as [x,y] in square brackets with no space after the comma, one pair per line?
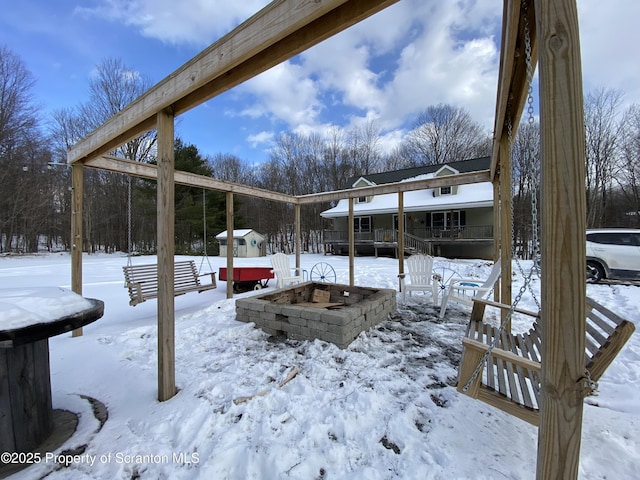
[339,319]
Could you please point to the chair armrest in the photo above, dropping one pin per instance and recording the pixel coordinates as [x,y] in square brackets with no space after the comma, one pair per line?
[504,306]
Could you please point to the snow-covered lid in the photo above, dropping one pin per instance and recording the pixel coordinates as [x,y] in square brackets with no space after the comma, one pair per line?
[22,307]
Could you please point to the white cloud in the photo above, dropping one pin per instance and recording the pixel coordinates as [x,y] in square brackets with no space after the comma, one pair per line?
[608,41]
[284,93]
[388,74]
[390,67]
[260,139]
[196,22]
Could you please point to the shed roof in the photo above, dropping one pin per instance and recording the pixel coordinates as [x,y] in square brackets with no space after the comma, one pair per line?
[240,233]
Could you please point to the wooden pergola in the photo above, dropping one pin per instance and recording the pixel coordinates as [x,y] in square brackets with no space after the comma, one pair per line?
[285,28]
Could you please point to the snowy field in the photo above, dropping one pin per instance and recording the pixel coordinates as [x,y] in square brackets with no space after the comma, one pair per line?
[384,408]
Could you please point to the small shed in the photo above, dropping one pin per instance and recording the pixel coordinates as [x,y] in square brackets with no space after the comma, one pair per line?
[247,243]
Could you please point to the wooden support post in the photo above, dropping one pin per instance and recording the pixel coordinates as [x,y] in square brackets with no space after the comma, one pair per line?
[77,187]
[506,225]
[230,227]
[166,248]
[401,233]
[497,205]
[350,235]
[298,239]
[563,225]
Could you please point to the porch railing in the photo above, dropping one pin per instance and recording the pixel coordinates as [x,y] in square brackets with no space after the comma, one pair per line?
[475,232]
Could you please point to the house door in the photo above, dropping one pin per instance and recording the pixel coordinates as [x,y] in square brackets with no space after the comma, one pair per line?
[395,222]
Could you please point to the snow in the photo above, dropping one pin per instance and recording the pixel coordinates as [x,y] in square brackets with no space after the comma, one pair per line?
[470,196]
[383,408]
[239,233]
[22,307]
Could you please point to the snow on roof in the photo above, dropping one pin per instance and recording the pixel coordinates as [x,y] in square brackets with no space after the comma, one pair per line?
[240,233]
[468,196]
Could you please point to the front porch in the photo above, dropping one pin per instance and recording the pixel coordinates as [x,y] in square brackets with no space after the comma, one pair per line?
[473,241]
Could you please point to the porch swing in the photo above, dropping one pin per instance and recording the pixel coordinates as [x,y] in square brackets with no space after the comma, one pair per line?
[502,369]
[142,280]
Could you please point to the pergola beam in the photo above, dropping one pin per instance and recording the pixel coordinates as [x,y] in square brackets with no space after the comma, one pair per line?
[279,31]
[512,81]
[150,171]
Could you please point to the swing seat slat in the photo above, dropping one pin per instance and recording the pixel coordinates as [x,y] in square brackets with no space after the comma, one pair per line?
[142,281]
[509,378]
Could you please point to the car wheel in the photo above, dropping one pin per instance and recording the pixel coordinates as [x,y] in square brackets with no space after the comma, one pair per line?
[595,272]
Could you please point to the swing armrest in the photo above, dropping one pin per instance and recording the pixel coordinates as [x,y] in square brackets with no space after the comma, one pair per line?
[504,306]
[501,354]
[213,278]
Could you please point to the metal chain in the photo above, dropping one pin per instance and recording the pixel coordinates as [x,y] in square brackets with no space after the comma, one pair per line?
[503,325]
[535,240]
[129,242]
[204,233]
[534,211]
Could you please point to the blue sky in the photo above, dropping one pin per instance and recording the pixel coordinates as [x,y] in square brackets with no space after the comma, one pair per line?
[387,69]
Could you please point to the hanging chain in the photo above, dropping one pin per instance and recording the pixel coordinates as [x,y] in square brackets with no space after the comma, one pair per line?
[129,242]
[204,233]
[204,220]
[534,211]
[534,165]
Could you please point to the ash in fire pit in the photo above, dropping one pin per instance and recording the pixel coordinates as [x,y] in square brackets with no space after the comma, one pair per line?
[330,312]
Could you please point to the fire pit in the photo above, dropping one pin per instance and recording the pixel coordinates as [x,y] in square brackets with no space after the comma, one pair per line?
[330,312]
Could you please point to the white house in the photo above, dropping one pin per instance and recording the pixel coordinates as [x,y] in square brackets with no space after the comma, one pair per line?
[454,221]
[246,243]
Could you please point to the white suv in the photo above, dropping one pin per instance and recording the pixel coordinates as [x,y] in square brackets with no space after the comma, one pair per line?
[613,253]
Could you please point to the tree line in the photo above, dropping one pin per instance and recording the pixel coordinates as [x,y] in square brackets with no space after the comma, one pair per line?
[120,211]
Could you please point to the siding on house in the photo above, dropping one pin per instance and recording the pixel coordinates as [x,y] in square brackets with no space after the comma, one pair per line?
[448,221]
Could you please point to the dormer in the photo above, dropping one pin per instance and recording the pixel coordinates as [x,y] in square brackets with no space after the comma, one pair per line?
[442,172]
[360,183]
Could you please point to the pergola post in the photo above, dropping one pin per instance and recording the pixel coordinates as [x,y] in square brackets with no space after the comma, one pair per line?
[563,288]
[230,227]
[351,240]
[298,241]
[166,249]
[77,184]
[506,224]
[400,233]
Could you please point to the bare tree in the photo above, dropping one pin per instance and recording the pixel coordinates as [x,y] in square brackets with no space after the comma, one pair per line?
[525,180]
[112,87]
[362,148]
[24,205]
[444,133]
[629,180]
[602,130]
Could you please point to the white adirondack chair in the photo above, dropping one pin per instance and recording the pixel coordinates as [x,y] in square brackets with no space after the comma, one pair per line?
[464,290]
[419,277]
[285,275]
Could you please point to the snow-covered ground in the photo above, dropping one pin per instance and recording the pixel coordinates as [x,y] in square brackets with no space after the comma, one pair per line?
[384,408]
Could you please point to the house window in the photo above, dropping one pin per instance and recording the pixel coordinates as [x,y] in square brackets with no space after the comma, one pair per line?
[447,219]
[361,200]
[445,191]
[362,224]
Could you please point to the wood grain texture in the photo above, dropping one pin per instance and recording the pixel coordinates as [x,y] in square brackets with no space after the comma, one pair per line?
[230,227]
[563,294]
[166,248]
[77,189]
